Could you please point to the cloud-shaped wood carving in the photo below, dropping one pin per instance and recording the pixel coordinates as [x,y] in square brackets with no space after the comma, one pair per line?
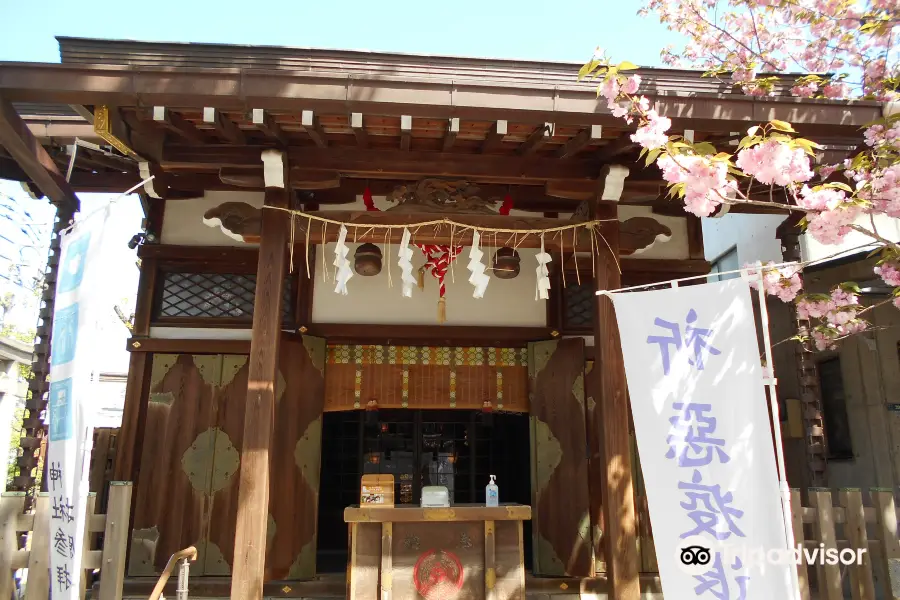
[238,220]
[641,233]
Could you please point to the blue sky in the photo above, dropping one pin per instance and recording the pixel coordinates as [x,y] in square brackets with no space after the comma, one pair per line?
[566,30]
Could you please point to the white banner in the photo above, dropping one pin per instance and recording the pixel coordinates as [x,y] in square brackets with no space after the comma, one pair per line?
[79,304]
[704,437]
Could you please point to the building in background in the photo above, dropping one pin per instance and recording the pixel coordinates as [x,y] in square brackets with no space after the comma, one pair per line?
[858,383]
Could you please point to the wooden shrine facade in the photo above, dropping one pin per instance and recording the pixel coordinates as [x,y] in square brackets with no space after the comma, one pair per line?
[241,346]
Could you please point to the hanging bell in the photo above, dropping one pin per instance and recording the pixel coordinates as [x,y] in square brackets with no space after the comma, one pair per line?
[506,263]
[367,260]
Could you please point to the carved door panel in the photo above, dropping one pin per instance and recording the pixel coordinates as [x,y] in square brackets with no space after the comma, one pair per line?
[294,461]
[172,497]
[560,502]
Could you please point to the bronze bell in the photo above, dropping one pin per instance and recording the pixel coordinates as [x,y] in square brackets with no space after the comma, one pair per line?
[506,263]
[367,260]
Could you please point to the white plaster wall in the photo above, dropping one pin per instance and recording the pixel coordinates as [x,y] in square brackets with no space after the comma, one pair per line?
[183,219]
[754,236]
[507,302]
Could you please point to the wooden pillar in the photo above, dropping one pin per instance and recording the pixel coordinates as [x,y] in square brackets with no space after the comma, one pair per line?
[620,536]
[253,495]
[131,433]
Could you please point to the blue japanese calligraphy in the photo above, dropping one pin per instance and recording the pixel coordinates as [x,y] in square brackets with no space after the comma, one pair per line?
[694,340]
[690,438]
[715,581]
[710,509]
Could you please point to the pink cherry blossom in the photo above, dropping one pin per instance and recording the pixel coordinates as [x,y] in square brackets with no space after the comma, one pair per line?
[782,282]
[706,182]
[807,90]
[897,301]
[652,134]
[836,90]
[889,272]
[631,84]
[775,162]
[609,89]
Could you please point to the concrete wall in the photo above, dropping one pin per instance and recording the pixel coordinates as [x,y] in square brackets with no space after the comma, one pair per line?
[753,235]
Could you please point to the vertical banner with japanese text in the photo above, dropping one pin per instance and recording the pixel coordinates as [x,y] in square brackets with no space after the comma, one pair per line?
[79,304]
[703,432]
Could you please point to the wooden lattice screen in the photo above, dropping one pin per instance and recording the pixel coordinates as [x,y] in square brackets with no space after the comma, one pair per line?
[426,377]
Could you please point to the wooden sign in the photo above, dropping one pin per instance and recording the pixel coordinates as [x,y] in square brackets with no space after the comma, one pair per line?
[377,489]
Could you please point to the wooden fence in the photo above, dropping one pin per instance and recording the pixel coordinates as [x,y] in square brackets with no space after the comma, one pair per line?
[110,558]
[850,524]
[844,521]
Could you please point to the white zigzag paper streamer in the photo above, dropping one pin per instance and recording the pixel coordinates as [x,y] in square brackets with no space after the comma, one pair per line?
[405,263]
[343,272]
[542,291]
[478,278]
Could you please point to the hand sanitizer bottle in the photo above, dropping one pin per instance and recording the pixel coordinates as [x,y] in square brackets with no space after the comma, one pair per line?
[492,493]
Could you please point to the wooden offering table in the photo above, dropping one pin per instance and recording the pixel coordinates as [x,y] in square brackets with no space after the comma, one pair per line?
[464,551]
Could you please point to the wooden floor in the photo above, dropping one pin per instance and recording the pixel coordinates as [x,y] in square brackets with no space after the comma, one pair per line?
[333,586]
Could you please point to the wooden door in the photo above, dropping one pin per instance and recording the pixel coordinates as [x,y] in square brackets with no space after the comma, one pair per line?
[172,498]
[560,501]
[294,462]
[296,458]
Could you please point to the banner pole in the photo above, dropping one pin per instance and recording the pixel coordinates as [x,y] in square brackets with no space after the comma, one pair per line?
[771,382]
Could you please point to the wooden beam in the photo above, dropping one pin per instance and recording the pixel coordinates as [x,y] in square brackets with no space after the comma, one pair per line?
[141,345]
[301,179]
[98,158]
[346,333]
[580,141]
[356,124]
[266,124]
[616,485]
[495,136]
[178,125]
[617,147]
[390,164]
[538,138]
[310,123]
[405,132]
[84,112]
[253,495]
[223,125]
[146,138]
[32,158]
[452,132]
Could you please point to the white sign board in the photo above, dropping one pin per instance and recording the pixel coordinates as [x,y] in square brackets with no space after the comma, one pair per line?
[79,303]
[704,437]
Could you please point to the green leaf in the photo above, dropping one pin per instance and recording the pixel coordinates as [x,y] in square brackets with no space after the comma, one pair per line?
[781,125]
[838,185]
[704,148]
[627,66]
[753,130]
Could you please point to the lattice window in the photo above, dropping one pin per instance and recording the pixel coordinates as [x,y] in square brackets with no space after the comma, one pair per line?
[578,306]
[226,296]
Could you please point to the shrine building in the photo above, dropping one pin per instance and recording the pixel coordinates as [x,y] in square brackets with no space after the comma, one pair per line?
[259,393]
